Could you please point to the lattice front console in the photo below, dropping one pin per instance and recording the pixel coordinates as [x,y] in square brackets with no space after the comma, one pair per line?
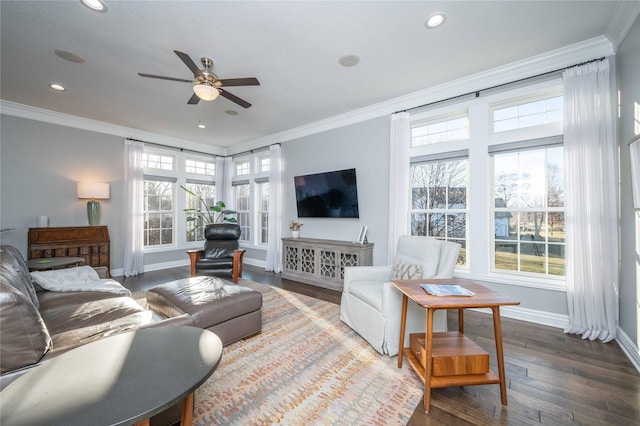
[322,262]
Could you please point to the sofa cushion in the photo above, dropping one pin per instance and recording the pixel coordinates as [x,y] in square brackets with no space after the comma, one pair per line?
[14,269]
[24,338]
[369,292]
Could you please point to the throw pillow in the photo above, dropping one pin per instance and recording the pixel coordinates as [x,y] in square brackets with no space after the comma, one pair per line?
[58,277]
[406,271]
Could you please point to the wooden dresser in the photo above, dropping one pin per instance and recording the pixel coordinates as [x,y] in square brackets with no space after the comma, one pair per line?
[90,242]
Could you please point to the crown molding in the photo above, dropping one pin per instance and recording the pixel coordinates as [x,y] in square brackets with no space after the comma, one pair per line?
[556,59]
[62,119]
[624,18]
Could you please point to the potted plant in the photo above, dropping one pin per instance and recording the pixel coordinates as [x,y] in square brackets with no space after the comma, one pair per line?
[295,228]
[206,215]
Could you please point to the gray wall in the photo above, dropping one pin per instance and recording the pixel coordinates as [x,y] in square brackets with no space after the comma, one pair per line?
[40,165]
[628,77]
[363,146]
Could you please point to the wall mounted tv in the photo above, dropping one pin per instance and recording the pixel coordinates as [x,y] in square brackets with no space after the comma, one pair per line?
[329,194]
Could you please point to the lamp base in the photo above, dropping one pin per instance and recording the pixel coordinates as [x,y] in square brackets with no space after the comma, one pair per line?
[93,212]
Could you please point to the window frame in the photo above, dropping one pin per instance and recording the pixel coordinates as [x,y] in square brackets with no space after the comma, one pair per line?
[257,174]
[180,177]
[480,172]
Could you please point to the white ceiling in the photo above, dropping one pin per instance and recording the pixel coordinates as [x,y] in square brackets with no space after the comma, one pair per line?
[291,47]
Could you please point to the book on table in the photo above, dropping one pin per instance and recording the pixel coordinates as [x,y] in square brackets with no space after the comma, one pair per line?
[446,290]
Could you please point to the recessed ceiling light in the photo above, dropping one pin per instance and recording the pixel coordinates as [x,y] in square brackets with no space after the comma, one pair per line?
[69,56]
[56,86]
[231,112]
[350,60]
[202,126]
[96,5]
[435,20]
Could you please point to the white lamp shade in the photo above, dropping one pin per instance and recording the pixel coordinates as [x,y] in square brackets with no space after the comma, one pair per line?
[93,190]
[206,92]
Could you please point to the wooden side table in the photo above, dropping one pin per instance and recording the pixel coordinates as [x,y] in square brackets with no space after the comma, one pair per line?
[449,358]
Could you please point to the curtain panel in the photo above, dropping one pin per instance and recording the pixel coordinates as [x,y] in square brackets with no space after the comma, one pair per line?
[399,182]
[591,203]
[133,262]
[274,245]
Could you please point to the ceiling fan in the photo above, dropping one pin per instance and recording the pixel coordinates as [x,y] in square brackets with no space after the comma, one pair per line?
[206,85]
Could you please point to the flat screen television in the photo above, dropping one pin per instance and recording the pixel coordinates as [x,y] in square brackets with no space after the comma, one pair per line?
[329,194]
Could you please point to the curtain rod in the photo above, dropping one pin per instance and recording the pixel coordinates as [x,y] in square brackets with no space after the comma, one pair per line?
[250,151]
[175,148]
[477,92]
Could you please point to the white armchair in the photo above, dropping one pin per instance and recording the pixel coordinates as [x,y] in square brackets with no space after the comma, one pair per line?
[372,306]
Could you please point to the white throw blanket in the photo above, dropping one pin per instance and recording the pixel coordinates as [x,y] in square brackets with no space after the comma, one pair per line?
[82,278]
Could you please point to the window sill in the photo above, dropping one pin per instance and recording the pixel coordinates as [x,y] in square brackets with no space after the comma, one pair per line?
[521,281]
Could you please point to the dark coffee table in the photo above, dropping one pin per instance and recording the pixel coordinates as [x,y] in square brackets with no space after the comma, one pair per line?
[118,380]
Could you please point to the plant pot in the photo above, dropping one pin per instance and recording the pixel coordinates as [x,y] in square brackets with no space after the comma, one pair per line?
[295,234]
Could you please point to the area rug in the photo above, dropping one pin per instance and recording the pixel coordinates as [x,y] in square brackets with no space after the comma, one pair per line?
[307,367]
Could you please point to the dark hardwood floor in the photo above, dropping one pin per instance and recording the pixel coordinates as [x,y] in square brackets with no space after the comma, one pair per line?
[552,378]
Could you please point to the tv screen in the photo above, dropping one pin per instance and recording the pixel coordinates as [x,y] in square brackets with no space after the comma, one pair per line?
[329,194]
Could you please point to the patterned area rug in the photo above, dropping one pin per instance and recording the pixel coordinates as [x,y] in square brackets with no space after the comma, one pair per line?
[307,367]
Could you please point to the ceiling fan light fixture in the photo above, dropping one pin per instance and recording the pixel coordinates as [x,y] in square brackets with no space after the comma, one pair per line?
[206,92]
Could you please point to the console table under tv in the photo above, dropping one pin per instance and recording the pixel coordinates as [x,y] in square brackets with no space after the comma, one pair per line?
[322,262]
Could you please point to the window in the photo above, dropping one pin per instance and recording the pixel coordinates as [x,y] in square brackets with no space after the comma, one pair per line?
[158,212]
[543,111]
[243,168]
[241,192]
[206,168]
[151,160]
[439,201]
[440,130]
[488,173]
[529,211]
[251,198]
[263,212]
[195,226]
[165,220]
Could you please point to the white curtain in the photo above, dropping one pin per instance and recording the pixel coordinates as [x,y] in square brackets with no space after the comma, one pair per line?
[133,263]
[591,209]
[220,179]
[274,246]
[399,184]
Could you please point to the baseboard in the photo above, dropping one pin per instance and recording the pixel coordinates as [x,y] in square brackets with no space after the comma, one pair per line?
[179,263]
[531,315]
[629,348]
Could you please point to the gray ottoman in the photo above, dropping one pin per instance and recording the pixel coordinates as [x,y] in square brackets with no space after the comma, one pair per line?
[231,311]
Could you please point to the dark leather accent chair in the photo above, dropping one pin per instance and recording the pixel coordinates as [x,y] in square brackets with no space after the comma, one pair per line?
[221,255]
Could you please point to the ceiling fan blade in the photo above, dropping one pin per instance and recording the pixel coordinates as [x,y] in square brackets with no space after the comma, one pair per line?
[193,100]
[189,63]
[240,82]
[234,98]
[164,78]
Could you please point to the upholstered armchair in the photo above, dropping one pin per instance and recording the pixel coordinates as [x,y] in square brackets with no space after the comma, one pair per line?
[372,306]
[221,255]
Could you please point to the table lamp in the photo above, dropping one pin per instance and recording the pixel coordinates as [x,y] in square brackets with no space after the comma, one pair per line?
[94,191]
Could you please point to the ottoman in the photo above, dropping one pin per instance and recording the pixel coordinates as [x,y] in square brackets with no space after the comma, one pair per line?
[231,311]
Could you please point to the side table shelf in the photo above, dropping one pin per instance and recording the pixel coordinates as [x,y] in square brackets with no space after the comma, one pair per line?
[322,262]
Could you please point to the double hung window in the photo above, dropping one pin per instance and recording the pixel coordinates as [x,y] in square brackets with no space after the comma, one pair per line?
[251,198]
[165,219]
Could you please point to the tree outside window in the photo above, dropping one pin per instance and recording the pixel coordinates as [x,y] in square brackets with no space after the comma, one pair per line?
[158,213]
[529,231]
[439,201]
[195,228]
